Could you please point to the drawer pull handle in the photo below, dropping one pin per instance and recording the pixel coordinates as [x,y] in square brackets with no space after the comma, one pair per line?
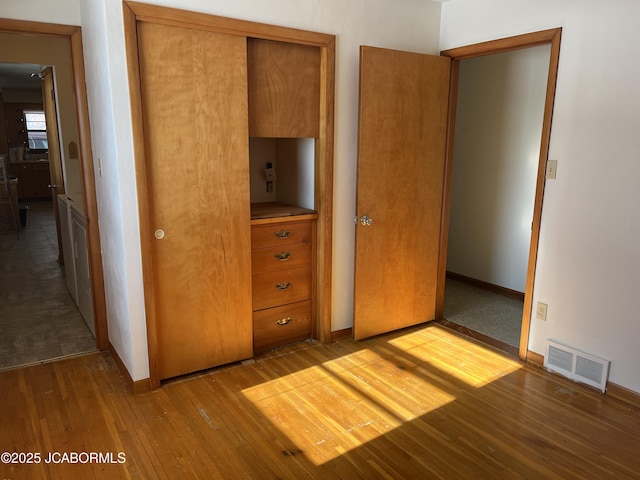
[282,256]
[282,234]
[283,285]
[283,322]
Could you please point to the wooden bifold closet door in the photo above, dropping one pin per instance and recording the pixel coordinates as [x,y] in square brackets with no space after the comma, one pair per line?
[194,102]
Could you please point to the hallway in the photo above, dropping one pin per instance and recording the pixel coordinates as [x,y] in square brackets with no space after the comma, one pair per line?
[38,318]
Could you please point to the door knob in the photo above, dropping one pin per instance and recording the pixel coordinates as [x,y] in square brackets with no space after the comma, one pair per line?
[366,221]
[159,234]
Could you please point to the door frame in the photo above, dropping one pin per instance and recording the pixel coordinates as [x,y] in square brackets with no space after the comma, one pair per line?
[545,37]
[74,35]
[134,12]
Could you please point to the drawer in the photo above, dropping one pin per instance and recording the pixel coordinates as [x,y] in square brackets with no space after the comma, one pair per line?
[281,257]
[278,234]
[278,326]
[279,287]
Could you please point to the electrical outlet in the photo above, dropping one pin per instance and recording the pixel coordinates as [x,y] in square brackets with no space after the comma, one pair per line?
[541,311]
[552,168]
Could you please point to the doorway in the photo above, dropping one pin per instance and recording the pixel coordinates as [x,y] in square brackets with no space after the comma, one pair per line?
[39,244]
[499,118]
[461,250]
[40,316]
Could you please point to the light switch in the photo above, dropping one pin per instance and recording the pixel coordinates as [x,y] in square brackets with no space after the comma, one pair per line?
[552,167]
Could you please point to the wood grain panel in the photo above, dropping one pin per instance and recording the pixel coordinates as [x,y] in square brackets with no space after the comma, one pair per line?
[275,258]
[134,12]
[401,146]
[284,89]
[267,333]
[276,235]
[266,294]
[194,98]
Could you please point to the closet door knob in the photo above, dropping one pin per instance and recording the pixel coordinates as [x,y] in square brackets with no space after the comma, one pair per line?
[159,234]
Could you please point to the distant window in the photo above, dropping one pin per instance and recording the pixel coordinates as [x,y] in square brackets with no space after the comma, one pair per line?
[36,129]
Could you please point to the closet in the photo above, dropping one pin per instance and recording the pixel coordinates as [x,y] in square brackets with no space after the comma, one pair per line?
[232,162]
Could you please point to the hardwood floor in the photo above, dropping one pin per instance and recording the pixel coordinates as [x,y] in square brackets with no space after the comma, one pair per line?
[421,403]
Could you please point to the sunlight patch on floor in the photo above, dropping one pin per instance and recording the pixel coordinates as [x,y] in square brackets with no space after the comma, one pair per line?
[464,360]
[329,409]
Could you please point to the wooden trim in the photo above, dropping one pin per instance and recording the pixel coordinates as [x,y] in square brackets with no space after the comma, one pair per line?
[507,292]
[554,59]
[288,219]
[74,34]
[324,193]
[344,334]
[139,386]
[535,358]
[135,12]
[196,20]
[623,394]
[37,28]
[89,190]
[544,37]
[501,45]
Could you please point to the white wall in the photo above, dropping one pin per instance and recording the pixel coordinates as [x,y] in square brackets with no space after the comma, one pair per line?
[588,268]
[409,25]
[497,145]
[66,12]
[295,171]
[111,131]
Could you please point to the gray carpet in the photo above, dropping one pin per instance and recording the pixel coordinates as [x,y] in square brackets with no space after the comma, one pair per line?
[38,318]
[491,314]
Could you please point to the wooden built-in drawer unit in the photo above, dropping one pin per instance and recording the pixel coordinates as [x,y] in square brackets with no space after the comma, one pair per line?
[283,256]
[277,326]
[280,234]
[281,287]
[282,250]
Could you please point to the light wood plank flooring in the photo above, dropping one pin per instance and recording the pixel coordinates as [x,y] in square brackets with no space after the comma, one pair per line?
[421,403]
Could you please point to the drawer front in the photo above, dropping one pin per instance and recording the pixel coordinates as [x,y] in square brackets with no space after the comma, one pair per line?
[279,287]
[281,257]
[279,234]
[278,326]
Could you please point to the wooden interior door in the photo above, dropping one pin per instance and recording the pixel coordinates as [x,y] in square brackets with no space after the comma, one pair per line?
[401,152]
[194,101]
[56,183]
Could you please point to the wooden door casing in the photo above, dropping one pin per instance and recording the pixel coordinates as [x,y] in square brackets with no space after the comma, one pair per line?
[194,97]
[401,150]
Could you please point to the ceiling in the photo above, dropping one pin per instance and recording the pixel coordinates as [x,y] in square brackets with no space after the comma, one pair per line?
[18,76]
